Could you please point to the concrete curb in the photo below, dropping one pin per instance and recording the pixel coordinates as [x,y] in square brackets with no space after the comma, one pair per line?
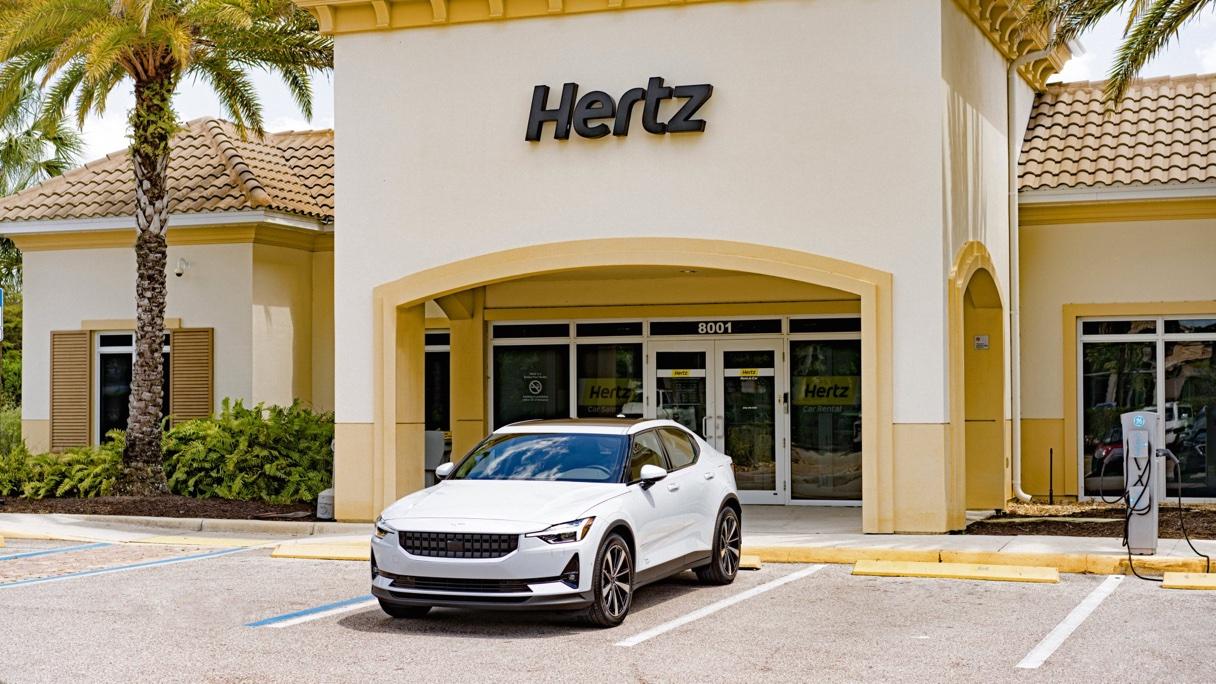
[292,527]
[1075,563]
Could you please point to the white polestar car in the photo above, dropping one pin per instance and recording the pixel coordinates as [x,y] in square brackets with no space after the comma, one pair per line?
[561,514]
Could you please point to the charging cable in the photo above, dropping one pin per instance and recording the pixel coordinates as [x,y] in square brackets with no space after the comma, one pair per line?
[1181,511]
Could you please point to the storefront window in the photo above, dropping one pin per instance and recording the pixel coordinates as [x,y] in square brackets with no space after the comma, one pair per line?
[609,380]
[825,419]
[530,382]
[1116,377]
[1190,415]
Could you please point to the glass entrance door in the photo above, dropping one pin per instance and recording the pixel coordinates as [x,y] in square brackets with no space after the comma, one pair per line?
[748,418]
[728,392]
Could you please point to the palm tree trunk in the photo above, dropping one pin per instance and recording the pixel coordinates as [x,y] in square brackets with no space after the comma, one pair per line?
[152,126]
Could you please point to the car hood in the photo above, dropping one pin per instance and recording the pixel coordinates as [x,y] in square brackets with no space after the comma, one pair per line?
[504,505]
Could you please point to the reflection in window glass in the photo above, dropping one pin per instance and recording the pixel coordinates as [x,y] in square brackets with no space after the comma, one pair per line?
[749,404]
[1194,325]
[438,391]
[825,419]
[1190,415]
[1119,327]
[531,381]
[646,450]
[609,380]
[1116,377]
[681,389]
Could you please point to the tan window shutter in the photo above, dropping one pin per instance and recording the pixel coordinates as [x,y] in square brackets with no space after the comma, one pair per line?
[69,389]
[191,369]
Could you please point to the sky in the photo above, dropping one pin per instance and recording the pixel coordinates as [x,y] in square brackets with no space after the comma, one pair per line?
[1194,51]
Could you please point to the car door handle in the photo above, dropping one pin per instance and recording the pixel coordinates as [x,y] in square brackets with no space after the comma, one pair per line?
[673,487]
[709,476]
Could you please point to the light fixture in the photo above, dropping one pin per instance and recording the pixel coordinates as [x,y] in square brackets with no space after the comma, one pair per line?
[688,271]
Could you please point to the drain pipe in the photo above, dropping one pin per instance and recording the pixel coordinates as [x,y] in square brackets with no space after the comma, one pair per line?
[1015,136]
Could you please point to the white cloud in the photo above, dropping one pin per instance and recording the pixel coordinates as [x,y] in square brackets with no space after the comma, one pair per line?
[1207,57]
[1079,68]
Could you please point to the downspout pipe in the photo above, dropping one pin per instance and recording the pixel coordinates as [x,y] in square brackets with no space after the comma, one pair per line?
[1014,137]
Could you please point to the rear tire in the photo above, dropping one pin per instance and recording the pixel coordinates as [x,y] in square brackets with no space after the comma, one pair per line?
[611,584]
[728,547]
[400,612]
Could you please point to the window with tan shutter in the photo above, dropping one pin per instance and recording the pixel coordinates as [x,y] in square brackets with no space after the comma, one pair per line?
[191,369]
[69,389]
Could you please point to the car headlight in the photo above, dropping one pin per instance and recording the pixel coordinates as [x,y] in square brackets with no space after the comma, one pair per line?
[382,528]
[564,533]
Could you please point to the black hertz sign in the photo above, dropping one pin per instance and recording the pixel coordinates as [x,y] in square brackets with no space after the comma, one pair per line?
[596,114]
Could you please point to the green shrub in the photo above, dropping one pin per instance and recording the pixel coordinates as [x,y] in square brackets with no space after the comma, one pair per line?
[275,454]
[81,472]
[14,470]
[10,429]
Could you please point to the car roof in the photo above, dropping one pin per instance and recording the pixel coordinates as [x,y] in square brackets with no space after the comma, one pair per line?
[601,426]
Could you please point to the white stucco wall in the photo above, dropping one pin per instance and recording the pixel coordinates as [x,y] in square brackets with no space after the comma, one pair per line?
[824,135]
[64,287]
[282,324]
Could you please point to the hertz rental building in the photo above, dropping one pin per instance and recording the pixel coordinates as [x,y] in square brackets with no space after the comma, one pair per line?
[784,223]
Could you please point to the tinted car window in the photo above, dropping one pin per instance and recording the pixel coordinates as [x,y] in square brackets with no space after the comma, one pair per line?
[680,448]
[559,457]
[646,450]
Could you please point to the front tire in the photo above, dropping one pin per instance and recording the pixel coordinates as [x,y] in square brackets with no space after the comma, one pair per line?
[611,584]
[400,612]
[728,548]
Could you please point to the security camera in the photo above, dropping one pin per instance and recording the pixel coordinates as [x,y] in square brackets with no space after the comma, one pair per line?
[182,265]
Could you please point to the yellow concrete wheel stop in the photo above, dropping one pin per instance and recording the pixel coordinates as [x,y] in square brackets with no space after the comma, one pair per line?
[361,551]
[1189,580]
[750,562]
[964,571]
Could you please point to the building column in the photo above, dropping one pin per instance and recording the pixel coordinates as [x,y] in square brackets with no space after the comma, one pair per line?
[406,472]
[466,315]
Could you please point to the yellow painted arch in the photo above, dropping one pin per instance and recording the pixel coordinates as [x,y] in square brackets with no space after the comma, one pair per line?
[973,275]
[392,302]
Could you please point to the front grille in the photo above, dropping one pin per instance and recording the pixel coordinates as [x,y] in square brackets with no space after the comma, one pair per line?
[458,544]
[487,586]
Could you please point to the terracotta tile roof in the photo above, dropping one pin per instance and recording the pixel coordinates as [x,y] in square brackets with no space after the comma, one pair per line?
[211,170]
[1162,135]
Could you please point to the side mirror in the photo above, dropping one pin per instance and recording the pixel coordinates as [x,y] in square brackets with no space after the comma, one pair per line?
[651,474]
[444,469]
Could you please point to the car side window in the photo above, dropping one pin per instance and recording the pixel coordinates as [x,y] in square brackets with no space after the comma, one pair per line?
[645,450]
[680,448]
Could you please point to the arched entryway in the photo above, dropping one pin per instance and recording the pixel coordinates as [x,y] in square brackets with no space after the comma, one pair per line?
[395,461]
[978,382]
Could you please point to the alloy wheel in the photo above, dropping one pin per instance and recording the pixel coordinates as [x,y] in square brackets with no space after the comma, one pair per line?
[730,544]
[615,581]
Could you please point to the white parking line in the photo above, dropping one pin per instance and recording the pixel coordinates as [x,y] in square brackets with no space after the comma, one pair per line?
[1040,653]
[715,607]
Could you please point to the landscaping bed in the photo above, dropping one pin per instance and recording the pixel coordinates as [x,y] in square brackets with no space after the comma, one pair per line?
[160,506]
[1093,520]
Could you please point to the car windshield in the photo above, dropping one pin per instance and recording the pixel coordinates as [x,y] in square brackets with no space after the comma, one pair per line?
[554,457]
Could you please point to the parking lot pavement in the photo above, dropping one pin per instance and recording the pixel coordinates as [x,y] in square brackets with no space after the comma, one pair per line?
[131,616]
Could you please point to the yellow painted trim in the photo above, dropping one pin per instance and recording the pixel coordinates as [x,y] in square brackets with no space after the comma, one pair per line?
[1102,564]
[964,571]
[996,19]
[1063,562]
[122,324]
[850,306]
[874,287]
[1073,312]
[1189,580]
[240,233]
[971,258]
[1064,213]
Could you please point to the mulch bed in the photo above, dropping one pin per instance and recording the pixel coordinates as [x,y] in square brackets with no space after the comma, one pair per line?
[161,506]
[1200,523]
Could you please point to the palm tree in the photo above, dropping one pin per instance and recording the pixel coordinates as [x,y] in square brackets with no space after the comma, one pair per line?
[81,50]
[32,149]
[1151,25]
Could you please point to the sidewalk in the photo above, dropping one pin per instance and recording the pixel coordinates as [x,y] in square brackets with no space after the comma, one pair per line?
[775,535]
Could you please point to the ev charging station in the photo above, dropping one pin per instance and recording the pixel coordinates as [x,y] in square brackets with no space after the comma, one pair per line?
[1143,478]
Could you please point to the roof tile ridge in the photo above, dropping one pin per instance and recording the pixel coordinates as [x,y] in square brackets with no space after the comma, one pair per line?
[246,179]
